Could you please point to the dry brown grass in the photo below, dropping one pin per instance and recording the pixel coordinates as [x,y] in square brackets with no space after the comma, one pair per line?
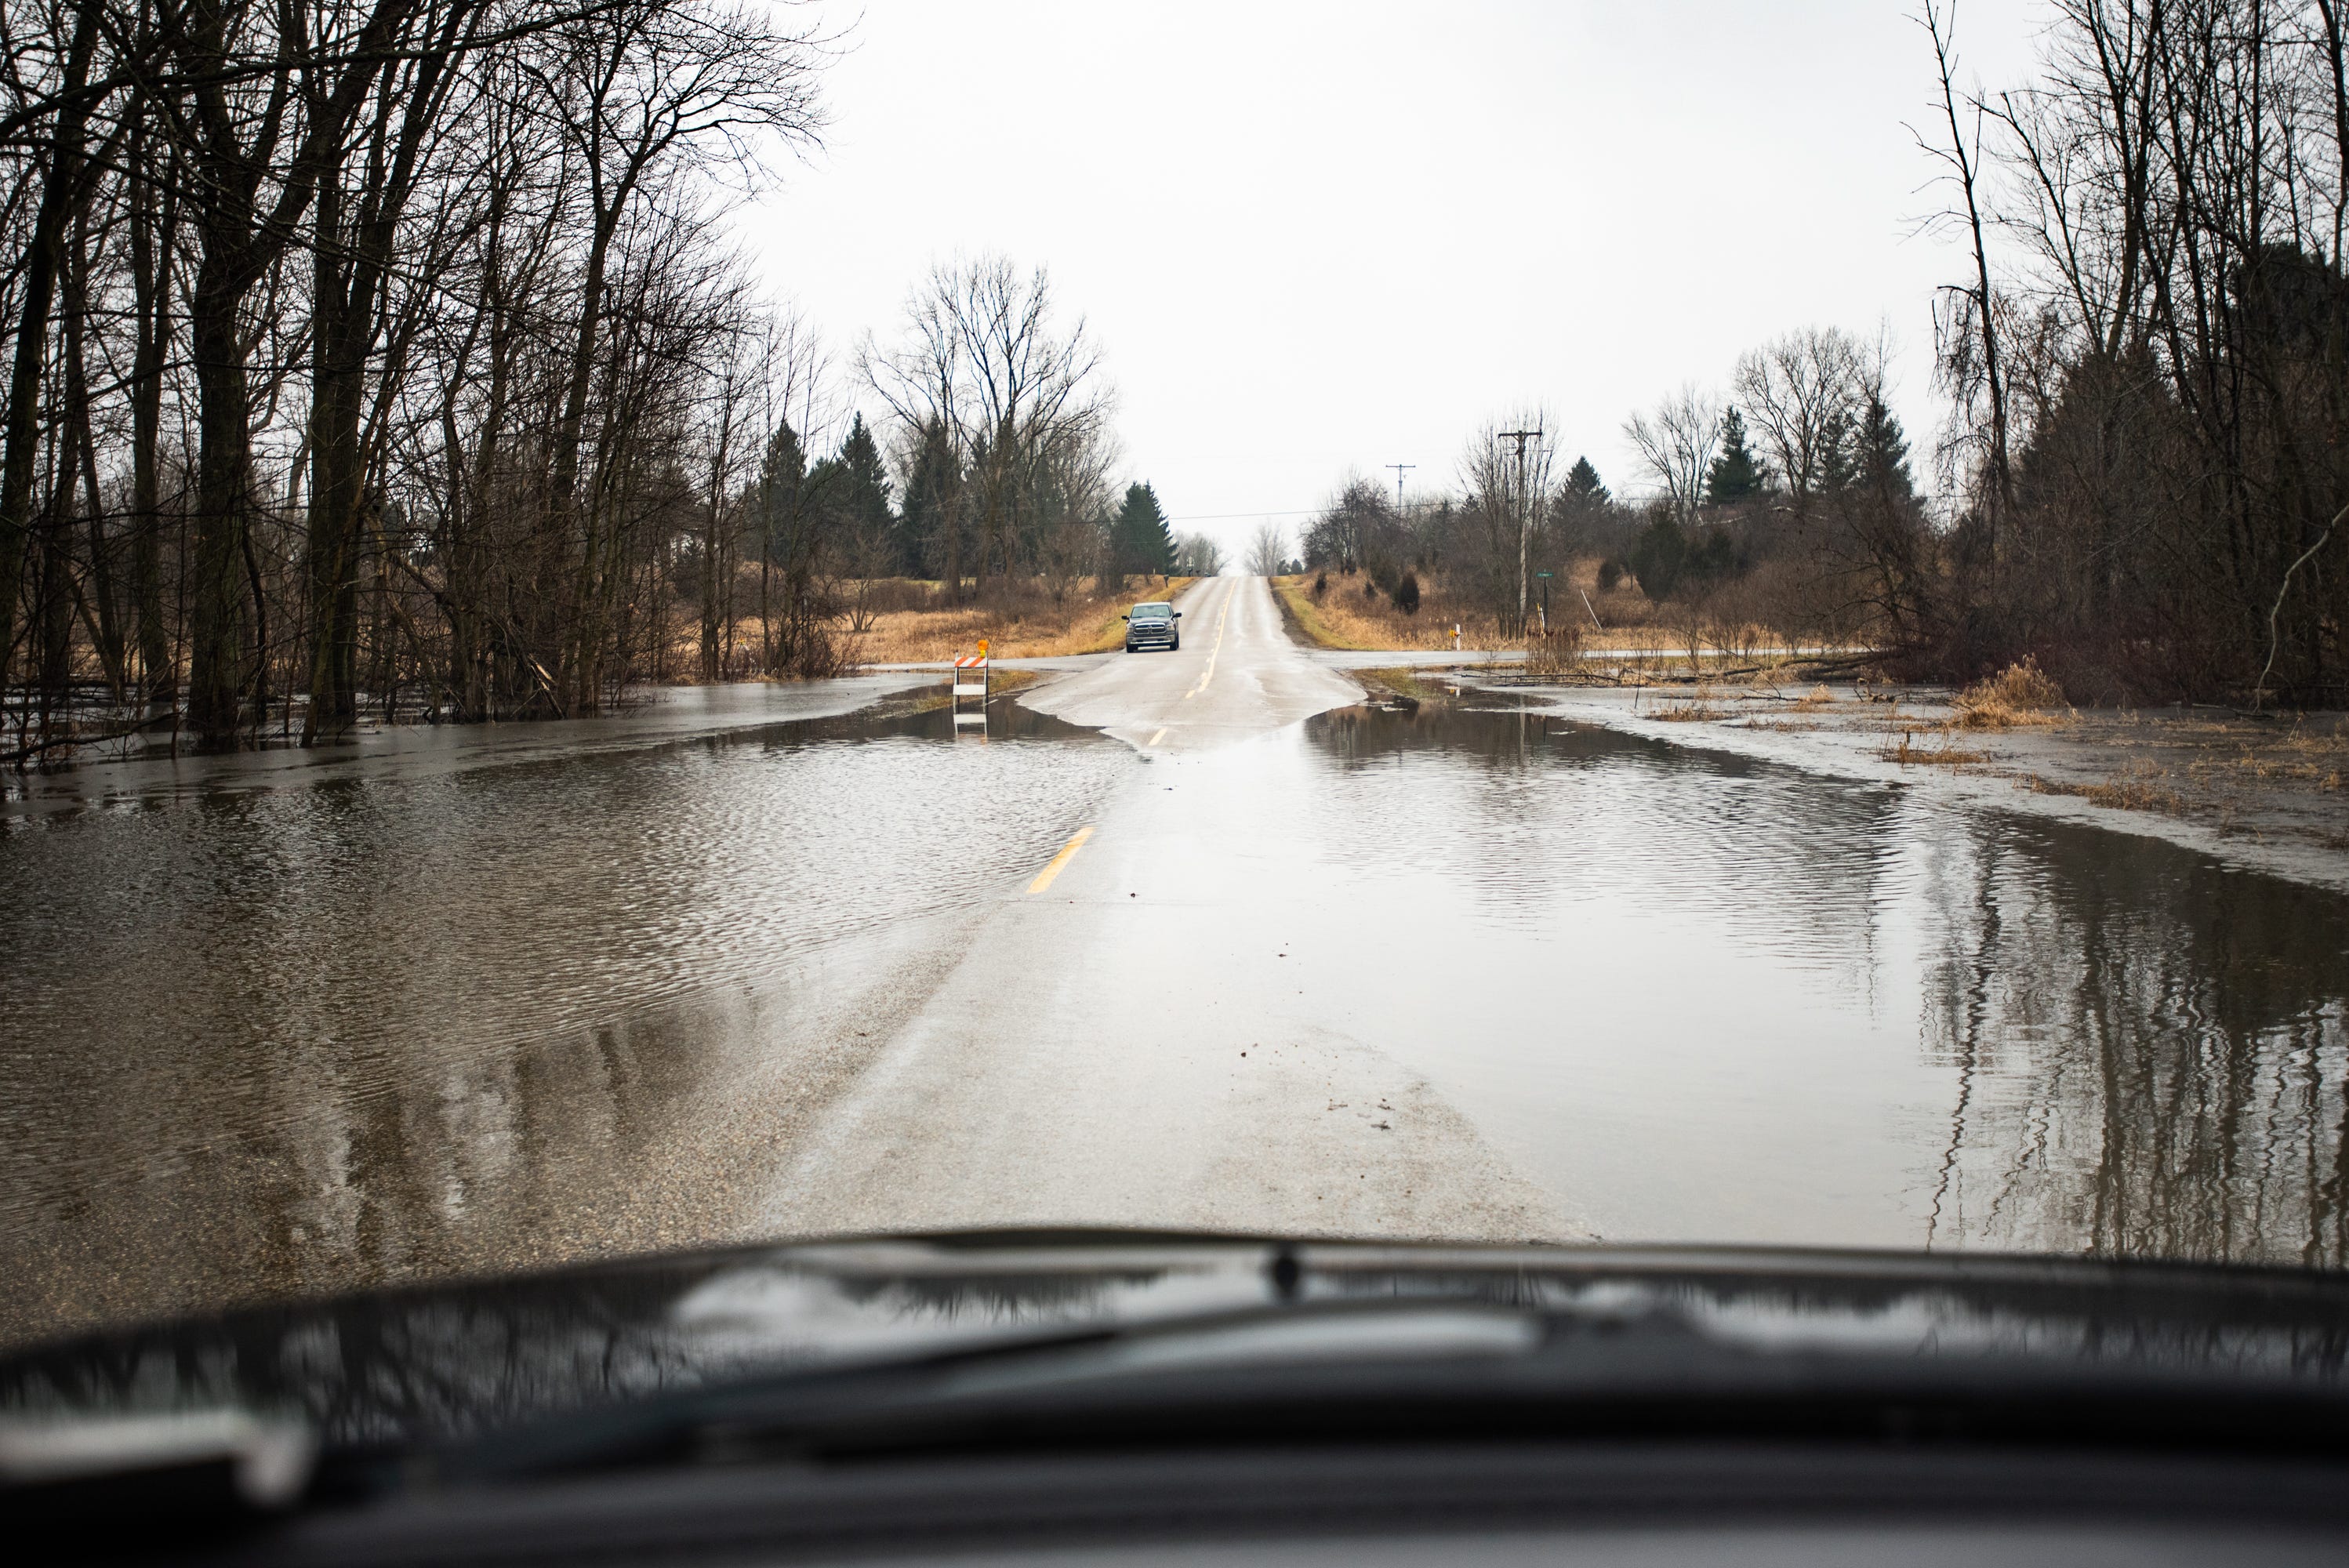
[1083,623]
[1696,709]
[1556,653]
[1342,616]
[1818,697]
[2020,694]
[1908,752]
[2139,788]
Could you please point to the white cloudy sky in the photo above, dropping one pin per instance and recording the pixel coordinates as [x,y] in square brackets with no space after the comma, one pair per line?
[1317,237]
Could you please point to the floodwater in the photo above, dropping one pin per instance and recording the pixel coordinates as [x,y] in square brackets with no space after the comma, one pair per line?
[270,1031]
[1711,998]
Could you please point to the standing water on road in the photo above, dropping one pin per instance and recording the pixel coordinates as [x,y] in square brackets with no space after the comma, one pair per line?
[401,1022]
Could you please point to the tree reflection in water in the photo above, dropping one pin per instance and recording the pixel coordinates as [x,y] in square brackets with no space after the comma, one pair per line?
[2151,1051]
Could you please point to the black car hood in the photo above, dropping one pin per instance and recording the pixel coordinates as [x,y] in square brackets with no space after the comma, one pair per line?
[456,1360]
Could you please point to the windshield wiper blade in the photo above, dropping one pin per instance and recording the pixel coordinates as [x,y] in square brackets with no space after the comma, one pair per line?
[1386,1370]
[936,1390]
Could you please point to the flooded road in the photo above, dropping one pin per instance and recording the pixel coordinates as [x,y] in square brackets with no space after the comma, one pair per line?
[786,969]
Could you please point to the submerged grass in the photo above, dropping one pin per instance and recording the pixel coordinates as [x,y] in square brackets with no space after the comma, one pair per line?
[1908,752]
[1000,682]
[1403,681]
[2138,789]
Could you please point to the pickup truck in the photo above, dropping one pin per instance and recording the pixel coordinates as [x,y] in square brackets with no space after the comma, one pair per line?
[1151,626]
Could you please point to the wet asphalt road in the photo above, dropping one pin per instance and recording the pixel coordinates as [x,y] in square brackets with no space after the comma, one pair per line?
[1138,1037]
[1237,675]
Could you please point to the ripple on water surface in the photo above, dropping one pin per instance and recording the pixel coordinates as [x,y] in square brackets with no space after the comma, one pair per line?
[244,978]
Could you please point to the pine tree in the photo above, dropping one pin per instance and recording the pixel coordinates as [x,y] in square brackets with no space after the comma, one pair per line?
[1839,461]
[864,502]
[1582,484]
[1737,473]
[782,483]
[1880,455]
[1139,538]
[923,547]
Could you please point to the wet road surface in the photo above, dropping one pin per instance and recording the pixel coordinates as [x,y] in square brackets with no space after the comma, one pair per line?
[751,964]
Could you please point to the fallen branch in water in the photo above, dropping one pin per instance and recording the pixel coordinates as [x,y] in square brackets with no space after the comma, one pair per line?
[24,753]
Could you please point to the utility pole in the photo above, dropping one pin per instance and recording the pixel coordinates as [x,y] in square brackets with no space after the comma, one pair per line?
[1399,469]
[1524,519]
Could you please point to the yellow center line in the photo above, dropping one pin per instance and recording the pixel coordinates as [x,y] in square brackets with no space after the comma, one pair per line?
[1157,738]
[1213,653]
[1053,867]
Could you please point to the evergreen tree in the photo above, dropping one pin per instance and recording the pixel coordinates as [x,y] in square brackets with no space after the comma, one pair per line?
[1737,473]
[864,483]
[923,547]
[1839,462]
[1880,457]
[1582,484]
[782,486]
[1139,538]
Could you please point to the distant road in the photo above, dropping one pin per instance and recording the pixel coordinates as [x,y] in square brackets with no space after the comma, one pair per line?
[1236,675]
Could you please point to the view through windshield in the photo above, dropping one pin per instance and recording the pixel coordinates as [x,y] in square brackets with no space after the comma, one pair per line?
[1746,674]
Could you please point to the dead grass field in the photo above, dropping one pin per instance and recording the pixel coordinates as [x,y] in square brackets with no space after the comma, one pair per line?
[1342,616]
[1083,623]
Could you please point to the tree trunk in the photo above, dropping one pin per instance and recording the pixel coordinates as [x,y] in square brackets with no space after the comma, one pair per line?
[223,473]
[43,253]
[150,270]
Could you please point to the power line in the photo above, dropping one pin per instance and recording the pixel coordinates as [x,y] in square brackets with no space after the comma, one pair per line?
[1228,516]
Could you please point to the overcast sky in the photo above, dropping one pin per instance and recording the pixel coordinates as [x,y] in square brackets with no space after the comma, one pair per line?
[1317,238]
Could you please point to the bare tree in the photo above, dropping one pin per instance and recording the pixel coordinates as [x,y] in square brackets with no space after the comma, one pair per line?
[1197,555]
[1967,329]
[1676,444]
[1802,391]
[1268,551]
[982,363]
[1508,470]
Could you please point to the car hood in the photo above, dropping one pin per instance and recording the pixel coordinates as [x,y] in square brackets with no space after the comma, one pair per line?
[451,1360]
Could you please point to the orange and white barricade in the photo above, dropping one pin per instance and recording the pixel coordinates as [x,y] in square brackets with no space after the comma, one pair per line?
[971,681]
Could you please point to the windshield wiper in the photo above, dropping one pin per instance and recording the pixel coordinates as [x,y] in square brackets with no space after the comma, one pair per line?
[1354,1371]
